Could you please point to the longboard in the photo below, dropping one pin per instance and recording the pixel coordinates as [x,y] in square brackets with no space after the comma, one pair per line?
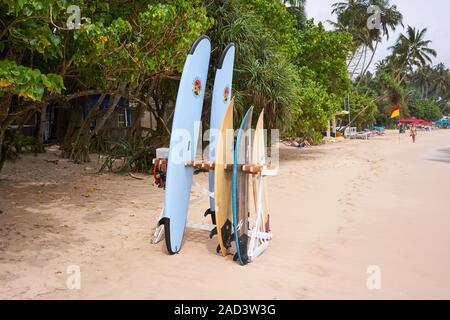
[259,157]
[183,140]
[221,98]
[242,155]
[223,181]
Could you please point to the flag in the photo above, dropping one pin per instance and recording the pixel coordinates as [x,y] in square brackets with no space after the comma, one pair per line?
[395,112]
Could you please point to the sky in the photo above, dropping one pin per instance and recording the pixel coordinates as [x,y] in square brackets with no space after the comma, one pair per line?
[431,14]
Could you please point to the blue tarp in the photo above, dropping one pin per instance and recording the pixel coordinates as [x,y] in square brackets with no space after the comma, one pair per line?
[92,100]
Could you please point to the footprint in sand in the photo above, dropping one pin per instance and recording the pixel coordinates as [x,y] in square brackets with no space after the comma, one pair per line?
[347,216]
[302,293]
[275,285]
[321,252]
[318,271]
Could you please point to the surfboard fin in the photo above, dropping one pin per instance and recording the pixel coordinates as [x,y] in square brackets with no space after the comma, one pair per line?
[166,222]
[243,243]
[235,257]
[227,236]
[213,215]
[267,226]
[213,233]
[218,248]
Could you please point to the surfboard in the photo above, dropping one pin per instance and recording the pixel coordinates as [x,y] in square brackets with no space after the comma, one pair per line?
[240,186]
[183,142]
[221,98]
[223,181]
[259,157]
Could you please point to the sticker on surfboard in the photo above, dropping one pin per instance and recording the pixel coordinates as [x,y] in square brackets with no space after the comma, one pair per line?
[197,87]
[226,94]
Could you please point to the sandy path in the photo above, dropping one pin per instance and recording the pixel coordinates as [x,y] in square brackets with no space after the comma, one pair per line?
[336,209]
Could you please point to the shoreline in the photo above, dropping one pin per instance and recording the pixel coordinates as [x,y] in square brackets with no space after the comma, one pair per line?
[441,154]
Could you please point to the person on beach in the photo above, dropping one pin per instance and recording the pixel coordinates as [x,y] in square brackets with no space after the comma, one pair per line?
[413,133]
[305,144]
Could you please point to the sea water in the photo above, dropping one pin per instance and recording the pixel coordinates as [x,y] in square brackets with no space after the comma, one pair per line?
[440,155]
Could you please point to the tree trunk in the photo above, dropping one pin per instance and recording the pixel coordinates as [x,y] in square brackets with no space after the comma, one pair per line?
[363,73]
[356,66]
[75,154]
[269,113]
[5,104]
[364,62]
[111,108]
[41,128]
[75,117]
[42,124]
[80,151]
[135,127]
[3,148]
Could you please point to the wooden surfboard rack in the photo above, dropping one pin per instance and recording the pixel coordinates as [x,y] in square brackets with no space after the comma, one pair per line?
[255,168]
[161,163]
[200,164]
[205,165]
[259,237]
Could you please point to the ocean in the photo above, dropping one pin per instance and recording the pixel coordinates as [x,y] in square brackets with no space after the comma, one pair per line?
[440,155]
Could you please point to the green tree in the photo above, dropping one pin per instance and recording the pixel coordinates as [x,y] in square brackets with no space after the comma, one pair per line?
[411,50]
[352,16]
[321,61]
[26,39]
[264,33]
[426,109]
[130,57]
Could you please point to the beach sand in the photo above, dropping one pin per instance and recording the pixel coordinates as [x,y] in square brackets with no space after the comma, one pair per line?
[336,210]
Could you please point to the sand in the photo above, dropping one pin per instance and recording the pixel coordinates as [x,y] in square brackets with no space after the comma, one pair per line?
[335,210]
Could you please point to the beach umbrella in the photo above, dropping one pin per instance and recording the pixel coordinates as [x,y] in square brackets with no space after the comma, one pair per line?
[442,122]
[408,120]
[424,122]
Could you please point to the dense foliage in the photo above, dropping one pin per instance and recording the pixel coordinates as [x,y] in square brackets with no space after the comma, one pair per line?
[293,69]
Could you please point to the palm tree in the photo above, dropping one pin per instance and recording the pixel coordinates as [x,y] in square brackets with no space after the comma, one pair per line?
[297,9]
[412,50]
[441,80]
[352,17]
[422,78]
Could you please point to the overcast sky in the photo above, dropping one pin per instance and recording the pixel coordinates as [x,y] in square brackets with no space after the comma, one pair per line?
[431,14]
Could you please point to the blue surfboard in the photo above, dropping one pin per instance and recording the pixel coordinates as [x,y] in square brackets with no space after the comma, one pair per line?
[240,187]
[221,98]
[183,142]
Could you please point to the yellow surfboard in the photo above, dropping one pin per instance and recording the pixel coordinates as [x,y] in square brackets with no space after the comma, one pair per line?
[223,180]
[259,157]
